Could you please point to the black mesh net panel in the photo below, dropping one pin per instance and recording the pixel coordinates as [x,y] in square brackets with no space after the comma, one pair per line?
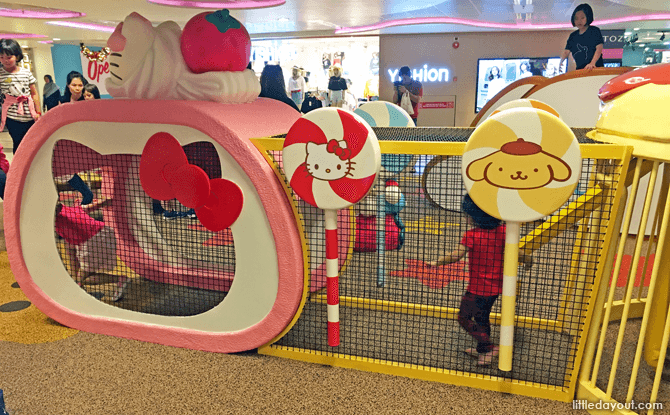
[133,252]
[407,314]
[392,310]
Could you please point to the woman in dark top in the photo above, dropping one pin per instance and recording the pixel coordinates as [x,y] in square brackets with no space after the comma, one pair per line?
[74,90]
[51,93]
[272,85]
[586,43]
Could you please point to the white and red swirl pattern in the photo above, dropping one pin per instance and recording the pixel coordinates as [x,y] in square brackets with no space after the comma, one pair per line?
[320,127]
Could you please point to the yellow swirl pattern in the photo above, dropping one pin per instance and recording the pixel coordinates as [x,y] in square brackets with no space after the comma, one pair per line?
[554,170]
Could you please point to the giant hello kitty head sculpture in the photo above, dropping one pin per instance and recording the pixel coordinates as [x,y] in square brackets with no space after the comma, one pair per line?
[147,62]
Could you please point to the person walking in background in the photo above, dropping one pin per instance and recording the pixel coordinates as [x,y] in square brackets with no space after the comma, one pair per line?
[586,43]
[272,85]
[50,94]
[19,89]
[91,92]
[74,90]
[414,88]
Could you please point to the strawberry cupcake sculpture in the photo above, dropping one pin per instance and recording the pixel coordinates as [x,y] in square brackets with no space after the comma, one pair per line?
[206,61]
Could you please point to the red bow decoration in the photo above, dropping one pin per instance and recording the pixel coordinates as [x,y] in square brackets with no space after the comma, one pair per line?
[342,153]
[165,174]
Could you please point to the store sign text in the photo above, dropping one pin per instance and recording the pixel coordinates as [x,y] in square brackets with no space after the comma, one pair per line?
[424,74]
[436,105]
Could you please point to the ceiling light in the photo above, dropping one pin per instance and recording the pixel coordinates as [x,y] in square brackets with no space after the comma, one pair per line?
[81,25]
[220,4]
[627,33]
[19,35]
[637,28]
[56,39]
[493,25]
[641,45]
[35,12]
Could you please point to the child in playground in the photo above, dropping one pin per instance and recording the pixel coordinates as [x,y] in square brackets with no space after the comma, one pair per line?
[485,243]
[94,243]
[91,92]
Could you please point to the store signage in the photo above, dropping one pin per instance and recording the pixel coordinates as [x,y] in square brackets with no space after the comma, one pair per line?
[95,72]
[613,39]
[424,74]
[434,105]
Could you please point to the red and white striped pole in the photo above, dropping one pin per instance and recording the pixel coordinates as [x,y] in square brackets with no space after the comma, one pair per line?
[332,279]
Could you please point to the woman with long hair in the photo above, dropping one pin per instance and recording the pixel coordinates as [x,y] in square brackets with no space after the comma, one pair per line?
[273,86]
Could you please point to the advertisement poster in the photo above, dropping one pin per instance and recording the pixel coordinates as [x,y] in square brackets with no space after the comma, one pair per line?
[493,75]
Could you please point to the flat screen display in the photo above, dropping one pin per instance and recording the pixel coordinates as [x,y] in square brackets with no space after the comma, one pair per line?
[494,74]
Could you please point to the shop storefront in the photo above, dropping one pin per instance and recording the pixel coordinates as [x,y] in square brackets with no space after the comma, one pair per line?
[646,47]
[357,56]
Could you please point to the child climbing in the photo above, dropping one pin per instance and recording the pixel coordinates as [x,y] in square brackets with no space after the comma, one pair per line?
[94,243]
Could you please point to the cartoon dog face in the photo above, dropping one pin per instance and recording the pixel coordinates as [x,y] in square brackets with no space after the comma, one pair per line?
[519,165]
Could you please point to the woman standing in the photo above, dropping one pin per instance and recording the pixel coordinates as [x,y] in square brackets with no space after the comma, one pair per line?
[51,93]
[586,43]
[75,92]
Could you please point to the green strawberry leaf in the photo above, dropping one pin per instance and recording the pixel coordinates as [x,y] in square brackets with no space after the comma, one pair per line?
[223,21]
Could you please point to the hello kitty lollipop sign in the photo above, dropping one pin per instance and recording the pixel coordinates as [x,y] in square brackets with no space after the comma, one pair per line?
[331,159]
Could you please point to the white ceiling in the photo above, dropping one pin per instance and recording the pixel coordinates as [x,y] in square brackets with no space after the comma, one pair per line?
[309,18]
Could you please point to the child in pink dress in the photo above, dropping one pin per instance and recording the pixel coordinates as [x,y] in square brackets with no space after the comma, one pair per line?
[94,243]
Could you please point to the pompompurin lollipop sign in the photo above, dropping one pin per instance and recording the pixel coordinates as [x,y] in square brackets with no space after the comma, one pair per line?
[519,165]
[331,158]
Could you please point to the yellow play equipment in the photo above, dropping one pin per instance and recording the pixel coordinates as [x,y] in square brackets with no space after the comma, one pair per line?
[408,329]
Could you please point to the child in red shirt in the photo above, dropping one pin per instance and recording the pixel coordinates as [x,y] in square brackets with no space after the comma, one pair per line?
[486,245]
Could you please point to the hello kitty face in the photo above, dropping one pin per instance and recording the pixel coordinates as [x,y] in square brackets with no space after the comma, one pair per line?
[129,44]
[329,161]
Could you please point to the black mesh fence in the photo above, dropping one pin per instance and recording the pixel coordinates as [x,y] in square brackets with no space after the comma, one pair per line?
[155,257]
[134,252]
[396,308]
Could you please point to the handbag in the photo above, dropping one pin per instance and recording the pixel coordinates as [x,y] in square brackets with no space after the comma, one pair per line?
[406,103]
